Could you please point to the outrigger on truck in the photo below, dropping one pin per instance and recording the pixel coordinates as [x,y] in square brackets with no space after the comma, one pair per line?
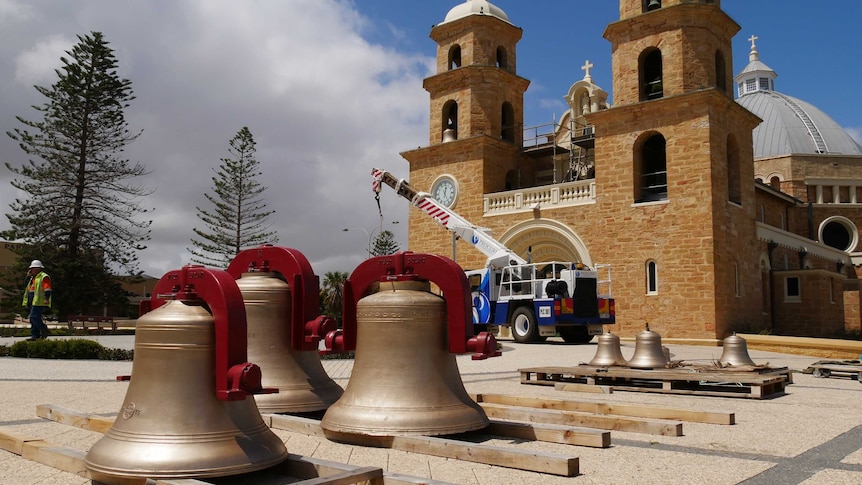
[535,300]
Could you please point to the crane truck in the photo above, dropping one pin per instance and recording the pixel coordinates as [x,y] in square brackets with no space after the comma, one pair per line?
[535,300]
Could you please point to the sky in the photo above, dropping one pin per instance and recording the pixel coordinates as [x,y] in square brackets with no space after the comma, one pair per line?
[333,88]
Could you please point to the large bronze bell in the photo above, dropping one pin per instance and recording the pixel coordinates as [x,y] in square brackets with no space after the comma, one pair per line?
[188,410]
[275,315]
[735,351]
[405,379]
[608,352]
[648,351]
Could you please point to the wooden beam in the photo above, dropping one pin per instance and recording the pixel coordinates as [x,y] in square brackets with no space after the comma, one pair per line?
[577,387]
[448,448]
[550,433]
[589,420]
[359,475]
[40,451]
[635,410]
[74,418]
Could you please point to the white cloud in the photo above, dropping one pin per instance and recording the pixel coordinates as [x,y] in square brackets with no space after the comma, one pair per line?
[36,65]
[855,133]
[324,106]
[12,11]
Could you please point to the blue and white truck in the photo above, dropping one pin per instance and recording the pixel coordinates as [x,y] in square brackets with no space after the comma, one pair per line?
[534,300]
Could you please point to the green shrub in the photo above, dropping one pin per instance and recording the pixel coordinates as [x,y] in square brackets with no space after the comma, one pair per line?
[115,354]
[57,349]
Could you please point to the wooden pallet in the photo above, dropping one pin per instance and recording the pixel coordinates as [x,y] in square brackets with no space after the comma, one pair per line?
[837,368]
[758,383]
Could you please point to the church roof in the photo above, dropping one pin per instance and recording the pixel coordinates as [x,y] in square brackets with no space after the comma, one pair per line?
[475,7]
[790,125]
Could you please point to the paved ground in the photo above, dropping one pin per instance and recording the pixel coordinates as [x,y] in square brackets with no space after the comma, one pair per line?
[810,435]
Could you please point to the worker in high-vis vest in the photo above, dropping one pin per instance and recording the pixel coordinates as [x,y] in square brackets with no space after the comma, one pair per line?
[37,298]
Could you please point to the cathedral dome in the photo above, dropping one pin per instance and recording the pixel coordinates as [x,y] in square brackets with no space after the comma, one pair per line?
[475,7]
[790,125]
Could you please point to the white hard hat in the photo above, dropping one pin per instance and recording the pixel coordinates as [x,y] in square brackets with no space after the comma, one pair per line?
[36,264]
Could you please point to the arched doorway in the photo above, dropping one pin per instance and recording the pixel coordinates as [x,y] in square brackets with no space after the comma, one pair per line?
[546,240]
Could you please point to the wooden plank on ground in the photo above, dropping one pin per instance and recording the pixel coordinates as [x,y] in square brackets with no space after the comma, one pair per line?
[40,451]
[589,420]
[551,433]
[576,387]
[360,475]
[74,418]
[447,448]
[635,410]
[309,468]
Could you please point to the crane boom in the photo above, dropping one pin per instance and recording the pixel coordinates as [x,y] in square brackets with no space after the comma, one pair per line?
[498,254]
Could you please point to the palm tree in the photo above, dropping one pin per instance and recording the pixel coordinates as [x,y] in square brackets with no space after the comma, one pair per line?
[332,294]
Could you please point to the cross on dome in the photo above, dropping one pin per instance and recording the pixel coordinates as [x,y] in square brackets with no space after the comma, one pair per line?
[753,55]
[586,68]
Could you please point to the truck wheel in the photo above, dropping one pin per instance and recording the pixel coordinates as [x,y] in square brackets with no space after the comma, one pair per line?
[524,326]
[575,335]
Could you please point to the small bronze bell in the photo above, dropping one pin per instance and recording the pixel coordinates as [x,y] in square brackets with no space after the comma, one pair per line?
[648,352]
[735,352]
[608,351]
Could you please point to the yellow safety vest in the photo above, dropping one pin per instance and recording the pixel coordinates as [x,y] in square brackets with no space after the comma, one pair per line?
[39,298]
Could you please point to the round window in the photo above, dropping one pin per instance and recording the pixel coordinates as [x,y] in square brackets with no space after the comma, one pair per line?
[839,233]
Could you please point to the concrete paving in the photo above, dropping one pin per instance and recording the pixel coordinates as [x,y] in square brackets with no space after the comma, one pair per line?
[810,435]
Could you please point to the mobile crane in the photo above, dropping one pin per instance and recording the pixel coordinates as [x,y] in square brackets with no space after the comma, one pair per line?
[532,299]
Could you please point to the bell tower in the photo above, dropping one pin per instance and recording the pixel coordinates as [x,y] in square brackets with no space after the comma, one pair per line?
[476,120]
[674,169]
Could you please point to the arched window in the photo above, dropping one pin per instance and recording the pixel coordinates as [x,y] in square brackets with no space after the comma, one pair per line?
[507,123]
[651,178]
[775,183]
[450,117]
[650,5]
[651,75]
[454,57]
[720,72]
[502,58]
[651,277]
[734,181]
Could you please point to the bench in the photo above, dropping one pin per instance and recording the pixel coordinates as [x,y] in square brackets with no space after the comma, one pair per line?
[99,321]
